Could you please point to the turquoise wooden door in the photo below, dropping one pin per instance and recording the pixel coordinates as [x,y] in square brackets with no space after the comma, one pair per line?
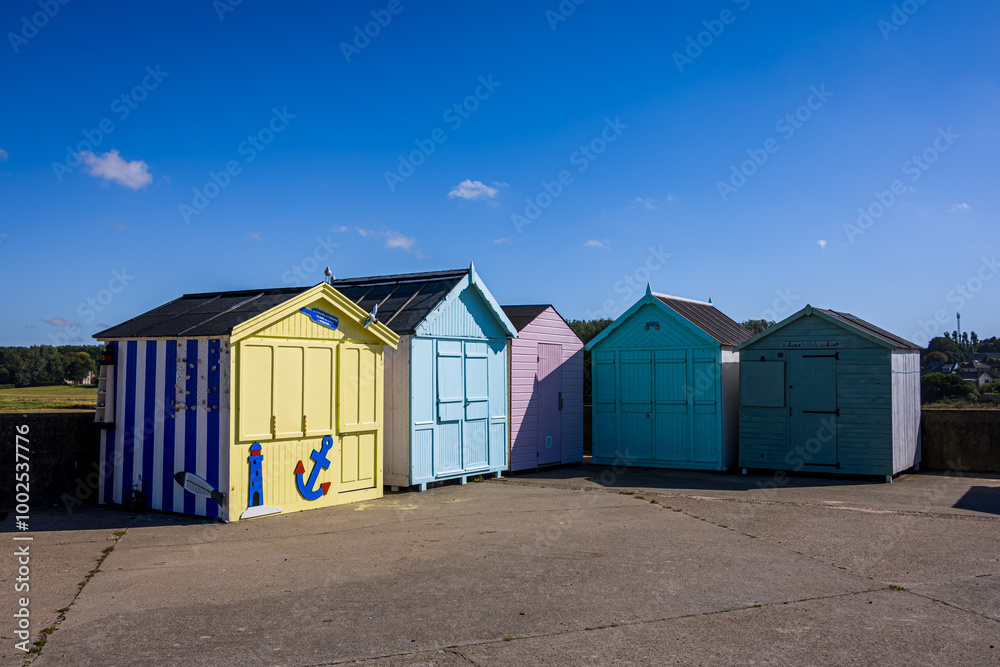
[672,441]
[637,403]
[604,384]
[812,383]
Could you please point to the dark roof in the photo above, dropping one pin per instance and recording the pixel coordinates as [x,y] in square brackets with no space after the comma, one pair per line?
[206,314]
[871,329]
[522,316]
[404,300]
[708,318]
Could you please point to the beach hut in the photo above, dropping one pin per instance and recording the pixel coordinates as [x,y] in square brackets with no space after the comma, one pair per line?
[825,391]
[546,389]
[446,397]
[665,383]
[240,404]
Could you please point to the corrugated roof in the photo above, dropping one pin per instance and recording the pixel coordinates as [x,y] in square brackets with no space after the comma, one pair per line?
[522,316]
[205,314]
[871,329]
[404,300]
[708,318]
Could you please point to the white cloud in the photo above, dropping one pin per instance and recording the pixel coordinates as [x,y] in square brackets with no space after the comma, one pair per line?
[476,190]
[394,240]
[340,229]
[821,243]
[960,207]
[111,167]
[60,322]
[594,243]
[254,235]
[397,240]
[3,155]
[501,240]
[649,203]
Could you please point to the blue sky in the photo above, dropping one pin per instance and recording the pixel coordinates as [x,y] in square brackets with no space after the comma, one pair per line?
[719,149]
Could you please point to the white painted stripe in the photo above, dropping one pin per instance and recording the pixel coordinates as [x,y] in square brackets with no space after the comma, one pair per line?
[159,417]
[120,365]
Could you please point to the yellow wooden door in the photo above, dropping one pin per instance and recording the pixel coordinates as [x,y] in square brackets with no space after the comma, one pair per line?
[359,404]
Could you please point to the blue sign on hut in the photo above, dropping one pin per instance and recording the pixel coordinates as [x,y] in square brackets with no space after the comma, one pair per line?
[665,382]
[446,384]
[824,391]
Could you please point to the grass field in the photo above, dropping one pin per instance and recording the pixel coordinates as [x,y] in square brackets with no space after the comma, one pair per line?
[61,398]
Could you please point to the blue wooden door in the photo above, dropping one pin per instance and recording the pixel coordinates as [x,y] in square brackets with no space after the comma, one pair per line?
[462,429]
[812,380]
[450,364]
[475,444]
[549,403]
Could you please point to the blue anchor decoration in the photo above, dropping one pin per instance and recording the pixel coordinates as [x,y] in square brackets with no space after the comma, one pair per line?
[320,461]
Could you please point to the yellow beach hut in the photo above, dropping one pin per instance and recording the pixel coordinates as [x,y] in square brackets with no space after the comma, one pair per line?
[242,404]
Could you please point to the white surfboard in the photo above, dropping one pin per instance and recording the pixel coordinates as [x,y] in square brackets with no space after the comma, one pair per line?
[259,510]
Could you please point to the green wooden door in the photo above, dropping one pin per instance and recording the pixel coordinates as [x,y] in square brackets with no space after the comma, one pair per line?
[812,380]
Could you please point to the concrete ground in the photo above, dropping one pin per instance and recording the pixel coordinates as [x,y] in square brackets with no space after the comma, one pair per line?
[570,566]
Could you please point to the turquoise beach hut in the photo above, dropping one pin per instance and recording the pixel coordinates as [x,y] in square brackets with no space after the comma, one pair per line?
[665,383]
[825,391]
[446,385]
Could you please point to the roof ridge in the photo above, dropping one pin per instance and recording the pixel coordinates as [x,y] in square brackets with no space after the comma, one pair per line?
[681,298]
[401,277]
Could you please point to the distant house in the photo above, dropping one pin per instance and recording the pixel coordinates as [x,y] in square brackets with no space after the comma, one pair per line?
[983,357]
[934,367]
[977,377]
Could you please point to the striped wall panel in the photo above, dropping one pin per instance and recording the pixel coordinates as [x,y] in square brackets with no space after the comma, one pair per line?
[171,414]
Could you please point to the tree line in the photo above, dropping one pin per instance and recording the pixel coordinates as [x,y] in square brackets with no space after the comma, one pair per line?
[953,348]
[46,365]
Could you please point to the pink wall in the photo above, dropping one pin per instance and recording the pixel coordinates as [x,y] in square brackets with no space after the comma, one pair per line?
[548,327]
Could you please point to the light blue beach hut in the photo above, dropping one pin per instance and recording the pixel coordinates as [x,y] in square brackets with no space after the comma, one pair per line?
[446,385]
[825,391]
[665,381]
